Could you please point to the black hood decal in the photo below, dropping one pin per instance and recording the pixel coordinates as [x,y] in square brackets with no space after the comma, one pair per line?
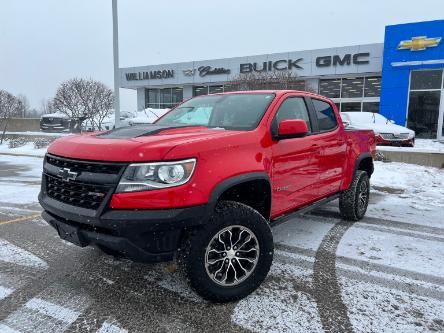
[137,131]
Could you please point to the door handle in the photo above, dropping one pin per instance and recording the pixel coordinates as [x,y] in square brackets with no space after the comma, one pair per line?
[315,148]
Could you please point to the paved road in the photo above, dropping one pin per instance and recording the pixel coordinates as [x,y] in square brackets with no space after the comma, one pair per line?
[328,275]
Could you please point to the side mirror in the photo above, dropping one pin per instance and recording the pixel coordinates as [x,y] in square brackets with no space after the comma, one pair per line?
[292,128]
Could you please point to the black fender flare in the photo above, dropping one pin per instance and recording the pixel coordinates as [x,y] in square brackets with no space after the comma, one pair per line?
[233,181]
[360,158]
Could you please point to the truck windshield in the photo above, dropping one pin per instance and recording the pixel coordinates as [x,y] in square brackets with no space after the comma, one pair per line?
[233,111]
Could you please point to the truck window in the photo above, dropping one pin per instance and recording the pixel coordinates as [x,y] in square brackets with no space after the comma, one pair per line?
[293,108]
[325,115]
[197,116]
[236,111]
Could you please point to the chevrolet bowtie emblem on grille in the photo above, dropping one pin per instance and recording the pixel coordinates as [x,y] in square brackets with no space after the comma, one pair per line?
[418,43]
[67,175]
[189,72]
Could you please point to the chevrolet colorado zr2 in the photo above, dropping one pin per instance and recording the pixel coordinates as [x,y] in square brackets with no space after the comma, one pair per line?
[205,183]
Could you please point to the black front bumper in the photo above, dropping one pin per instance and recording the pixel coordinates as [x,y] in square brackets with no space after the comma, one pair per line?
[140,235]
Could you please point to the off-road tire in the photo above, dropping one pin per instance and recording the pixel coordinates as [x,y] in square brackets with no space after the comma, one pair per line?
[192,254]
[349,200]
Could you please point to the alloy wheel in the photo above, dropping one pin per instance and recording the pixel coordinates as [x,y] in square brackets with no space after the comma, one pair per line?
[232,255]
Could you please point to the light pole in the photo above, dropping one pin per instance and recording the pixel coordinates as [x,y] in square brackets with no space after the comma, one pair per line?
[116,65]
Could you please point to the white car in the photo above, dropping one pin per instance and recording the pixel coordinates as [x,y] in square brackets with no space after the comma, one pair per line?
[386,131]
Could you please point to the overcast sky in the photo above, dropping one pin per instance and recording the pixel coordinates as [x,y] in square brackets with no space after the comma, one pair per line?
[45,42]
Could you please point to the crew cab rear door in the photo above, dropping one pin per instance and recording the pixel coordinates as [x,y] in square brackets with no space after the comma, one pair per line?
[332,141]
[295,164]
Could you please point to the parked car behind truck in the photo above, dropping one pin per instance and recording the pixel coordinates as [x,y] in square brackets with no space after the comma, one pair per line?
[55,122]
[206,182]
[386,131]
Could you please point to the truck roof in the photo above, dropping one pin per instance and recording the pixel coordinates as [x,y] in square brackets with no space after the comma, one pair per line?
[277,92]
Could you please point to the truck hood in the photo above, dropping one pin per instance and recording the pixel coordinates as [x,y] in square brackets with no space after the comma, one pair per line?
[133,144]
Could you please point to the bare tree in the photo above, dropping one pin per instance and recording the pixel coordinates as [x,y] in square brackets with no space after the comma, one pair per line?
[25,104]
[78,98]
[274,80]
[46,106]
[9,106]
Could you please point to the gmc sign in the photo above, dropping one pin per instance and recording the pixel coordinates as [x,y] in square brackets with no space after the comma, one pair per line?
[347,59]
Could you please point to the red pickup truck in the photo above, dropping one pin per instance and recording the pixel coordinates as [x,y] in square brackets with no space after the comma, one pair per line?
[205,182]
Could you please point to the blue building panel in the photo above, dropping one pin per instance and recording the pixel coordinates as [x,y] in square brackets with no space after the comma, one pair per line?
[397,64]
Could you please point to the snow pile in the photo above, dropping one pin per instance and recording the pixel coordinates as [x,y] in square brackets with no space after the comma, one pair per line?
[414,181]
[28,133]
[407,193]
[27,149]
[20,179]
[148,116]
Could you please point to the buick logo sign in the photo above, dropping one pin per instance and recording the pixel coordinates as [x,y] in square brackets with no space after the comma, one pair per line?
[67,175]
[189,72]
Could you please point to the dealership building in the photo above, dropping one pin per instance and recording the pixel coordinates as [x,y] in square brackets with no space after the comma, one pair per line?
[401,78]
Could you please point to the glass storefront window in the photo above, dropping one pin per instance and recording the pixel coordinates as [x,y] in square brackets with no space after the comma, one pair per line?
[352,87]
[215,89]
[228,87]
[330,88]
[370,107]
[200,90]
[425,80]
[351,107]
[423,113]
[163,98]
[372,87]
[152,98]
[176,95]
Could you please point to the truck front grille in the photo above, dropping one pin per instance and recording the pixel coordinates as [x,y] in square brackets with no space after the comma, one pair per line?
[84,166]
[75,193]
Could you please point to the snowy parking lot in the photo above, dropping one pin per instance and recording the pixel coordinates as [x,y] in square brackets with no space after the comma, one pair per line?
[382,274]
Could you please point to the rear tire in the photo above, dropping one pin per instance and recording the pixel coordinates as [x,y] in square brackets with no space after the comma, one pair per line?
[231,255]
[353,202]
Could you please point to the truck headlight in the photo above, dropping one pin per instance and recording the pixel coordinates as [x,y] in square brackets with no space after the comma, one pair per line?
[158,175]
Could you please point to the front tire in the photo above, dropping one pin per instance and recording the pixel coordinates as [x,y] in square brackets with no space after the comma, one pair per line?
[353,202]
[231,255]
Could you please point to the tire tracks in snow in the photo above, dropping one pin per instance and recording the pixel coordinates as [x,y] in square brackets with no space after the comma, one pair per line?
[326,288]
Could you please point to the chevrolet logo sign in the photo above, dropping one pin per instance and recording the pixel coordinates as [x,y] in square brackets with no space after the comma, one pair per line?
[67,175]
[418,43]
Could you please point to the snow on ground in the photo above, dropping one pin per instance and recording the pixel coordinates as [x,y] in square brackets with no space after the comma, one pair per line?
[386,271]
[394,250]
[27,149]
[408,193]
[37,133]
[273,310]
[387,310]
[14,254]
[421,146]
[20,179]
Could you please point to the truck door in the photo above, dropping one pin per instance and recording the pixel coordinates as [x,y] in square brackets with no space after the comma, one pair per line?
[295,160]
[333,151]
